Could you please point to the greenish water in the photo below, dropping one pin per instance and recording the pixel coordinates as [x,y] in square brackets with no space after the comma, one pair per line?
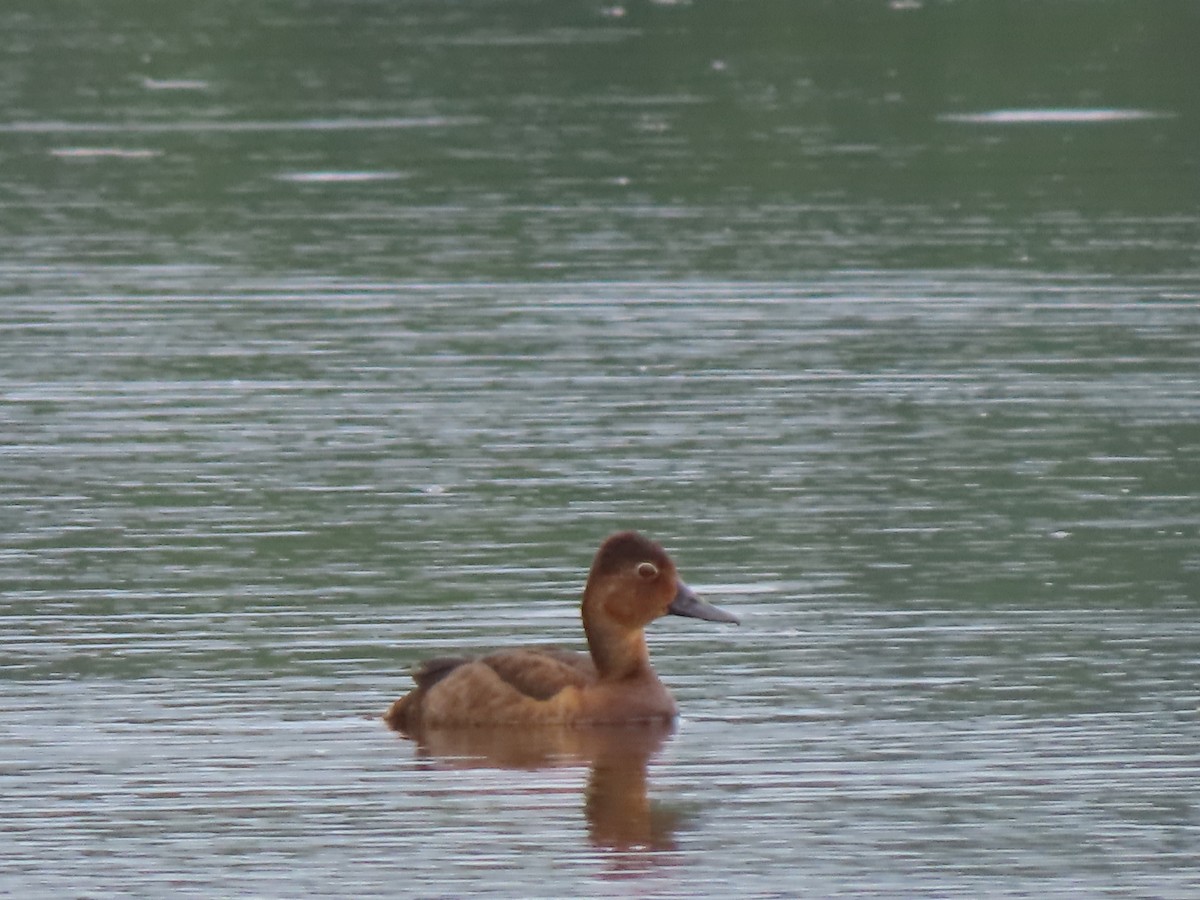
[338,335]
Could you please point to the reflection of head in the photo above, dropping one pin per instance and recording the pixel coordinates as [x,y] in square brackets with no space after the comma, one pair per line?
[620,814]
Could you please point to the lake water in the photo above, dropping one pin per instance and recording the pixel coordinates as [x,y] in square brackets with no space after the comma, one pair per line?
[338,335]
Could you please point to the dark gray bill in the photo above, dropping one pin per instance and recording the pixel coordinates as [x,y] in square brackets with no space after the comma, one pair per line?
[686,603]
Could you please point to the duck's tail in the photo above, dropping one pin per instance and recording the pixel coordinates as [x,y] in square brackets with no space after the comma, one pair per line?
[403,714]
[396,716]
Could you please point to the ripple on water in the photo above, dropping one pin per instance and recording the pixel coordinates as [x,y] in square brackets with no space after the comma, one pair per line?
[952,513]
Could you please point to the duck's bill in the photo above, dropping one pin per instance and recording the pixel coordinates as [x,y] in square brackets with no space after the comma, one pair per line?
[686,603]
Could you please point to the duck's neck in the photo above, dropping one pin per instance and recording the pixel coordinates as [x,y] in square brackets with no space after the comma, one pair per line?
[618,652]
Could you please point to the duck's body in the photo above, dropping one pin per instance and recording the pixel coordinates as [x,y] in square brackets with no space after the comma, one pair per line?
[632,582]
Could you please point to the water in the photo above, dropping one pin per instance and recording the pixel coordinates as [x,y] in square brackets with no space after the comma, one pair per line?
[339,336]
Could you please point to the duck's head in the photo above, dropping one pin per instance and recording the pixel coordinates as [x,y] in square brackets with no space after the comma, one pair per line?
[633,582]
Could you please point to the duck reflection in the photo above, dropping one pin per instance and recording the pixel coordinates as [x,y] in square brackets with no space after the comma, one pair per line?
[616,801]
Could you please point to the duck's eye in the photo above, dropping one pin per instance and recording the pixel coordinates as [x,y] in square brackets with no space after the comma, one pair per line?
[647,570]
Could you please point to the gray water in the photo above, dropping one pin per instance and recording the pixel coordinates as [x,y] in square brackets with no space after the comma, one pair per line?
[337,336]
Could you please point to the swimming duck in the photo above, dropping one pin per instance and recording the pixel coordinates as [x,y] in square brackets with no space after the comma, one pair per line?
[632,582]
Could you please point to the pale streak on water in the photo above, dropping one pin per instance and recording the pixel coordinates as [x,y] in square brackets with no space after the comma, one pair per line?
[957,513]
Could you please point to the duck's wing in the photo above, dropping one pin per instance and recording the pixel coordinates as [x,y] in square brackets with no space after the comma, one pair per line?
[575,659]
[541,672]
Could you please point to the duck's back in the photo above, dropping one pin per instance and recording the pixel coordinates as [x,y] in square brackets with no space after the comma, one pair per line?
[521,685]
[541,672]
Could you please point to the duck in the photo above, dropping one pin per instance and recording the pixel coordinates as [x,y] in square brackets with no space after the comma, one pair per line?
[631,583]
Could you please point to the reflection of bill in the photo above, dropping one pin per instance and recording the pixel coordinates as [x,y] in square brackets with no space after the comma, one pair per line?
[616,801]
